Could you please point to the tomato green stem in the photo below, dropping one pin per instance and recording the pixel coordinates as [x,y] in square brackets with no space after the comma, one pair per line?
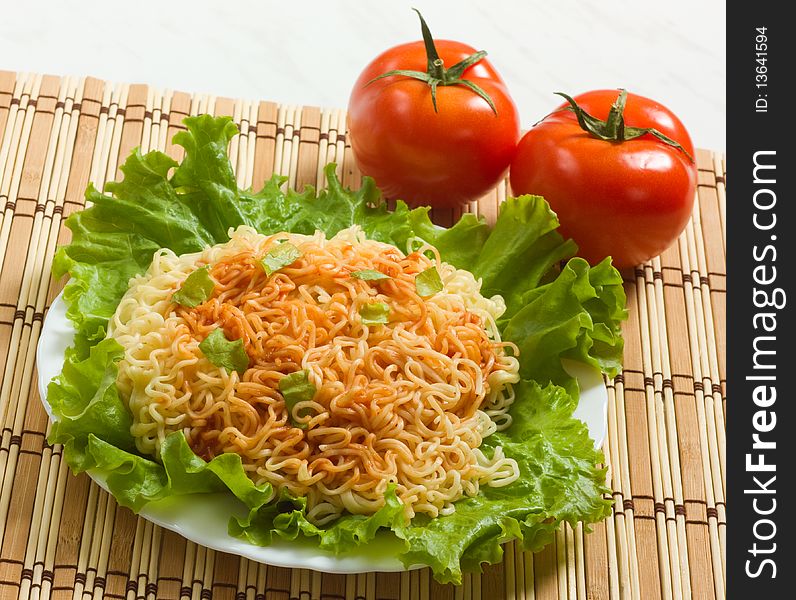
[613,129]
[436,74]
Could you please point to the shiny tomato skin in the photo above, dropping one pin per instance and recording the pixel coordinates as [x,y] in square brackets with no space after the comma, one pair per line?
[629,200]
[444,158]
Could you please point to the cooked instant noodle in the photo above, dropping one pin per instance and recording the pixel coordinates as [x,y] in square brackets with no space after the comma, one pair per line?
[406,401]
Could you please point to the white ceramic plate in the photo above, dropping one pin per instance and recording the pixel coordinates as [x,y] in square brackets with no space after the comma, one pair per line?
[202,518]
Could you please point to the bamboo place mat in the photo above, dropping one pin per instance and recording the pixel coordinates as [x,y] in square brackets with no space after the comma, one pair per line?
[63,537]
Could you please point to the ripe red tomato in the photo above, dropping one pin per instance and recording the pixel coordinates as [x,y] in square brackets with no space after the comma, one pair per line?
[629,199]
[442,155]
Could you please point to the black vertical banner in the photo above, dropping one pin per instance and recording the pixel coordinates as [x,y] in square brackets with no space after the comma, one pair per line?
[761,263]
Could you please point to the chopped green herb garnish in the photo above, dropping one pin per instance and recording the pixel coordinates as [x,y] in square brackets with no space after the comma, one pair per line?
[428,283]
[196,288]
[296,388]
[370,275]
[224,353]
[279,256]
[375,313]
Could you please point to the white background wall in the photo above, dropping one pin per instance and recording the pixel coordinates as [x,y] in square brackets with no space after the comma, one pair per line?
[303,52]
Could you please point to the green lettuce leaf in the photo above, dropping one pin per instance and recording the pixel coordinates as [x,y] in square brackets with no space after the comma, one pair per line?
[575,316]
[296,388]
[196,288]
[370,275]
[281,255]
[134,480]
[428,283]
[459,245]
[224,353]
[554,311]
[286,517]
[375,313]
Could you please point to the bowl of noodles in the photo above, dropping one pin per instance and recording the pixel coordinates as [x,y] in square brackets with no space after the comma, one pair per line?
[312,379]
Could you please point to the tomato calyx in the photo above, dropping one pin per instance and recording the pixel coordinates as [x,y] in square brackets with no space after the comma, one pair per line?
[613,129]
[437,74]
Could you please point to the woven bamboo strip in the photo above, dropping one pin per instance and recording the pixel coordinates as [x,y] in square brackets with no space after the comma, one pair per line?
[721,190]
[714,408]
[12,135]
[37,298]
[565,571]
[152,120]
[711,377]
[97,176]
[148,569]
[110,151]
[14,120]
[137,579]
[668,424]
[10,91]
[696,335]
[525,561]
[242,589]
[616,530]
[147,120]
[223,577]
[249,143]
[628,555]
[546,582]
[702,368]
[265,143]
[107,545]
[160,119]
[718,302]
[707,261]
[283,167]
[26,89]
[61,142]
[13,394]
[338,135]
[510,571]
[7,82]
[349,173]
[86,532]
[42,584]
[252,579]
[293,128]
[153,572]
[679,399]
[323,147]
[32,293]
[186,581]
[618,541]
[208,571]
[517,562]
[667,433]
[163,575]
[308,156]
[195,566]
[296,582]
[580,561]
[648,339]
